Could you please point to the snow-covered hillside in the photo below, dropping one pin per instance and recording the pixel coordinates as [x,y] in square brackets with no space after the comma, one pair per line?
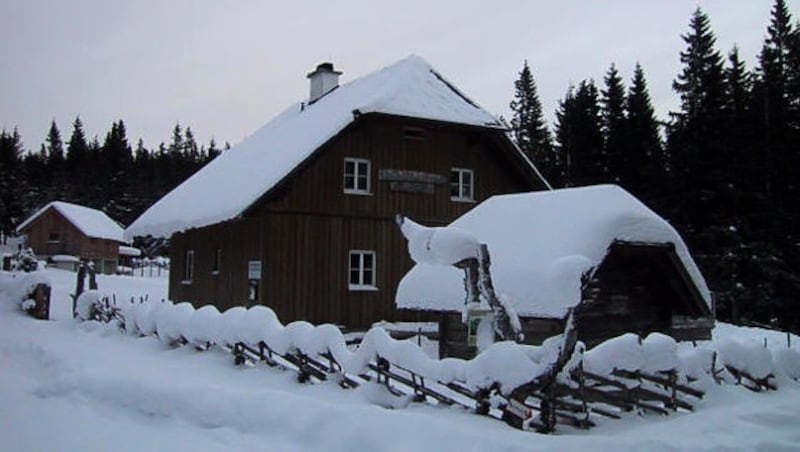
[67,385]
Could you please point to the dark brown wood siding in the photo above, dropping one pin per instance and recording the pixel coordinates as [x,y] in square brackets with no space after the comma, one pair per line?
[303,231]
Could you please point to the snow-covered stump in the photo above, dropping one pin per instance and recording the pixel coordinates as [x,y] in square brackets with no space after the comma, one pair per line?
[40,308]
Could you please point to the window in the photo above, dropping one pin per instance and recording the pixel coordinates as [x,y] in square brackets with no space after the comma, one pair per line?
[413,133]
[217,262]
[362,270]
[188,269]
[462,184]
[54,237]
[356,176]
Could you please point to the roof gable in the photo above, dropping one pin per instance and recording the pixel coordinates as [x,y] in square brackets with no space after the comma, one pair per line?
[236,179]
[540,244]
[91,222]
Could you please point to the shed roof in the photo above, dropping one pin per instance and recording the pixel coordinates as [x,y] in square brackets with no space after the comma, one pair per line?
[237,178]
[540,245]
[92,222]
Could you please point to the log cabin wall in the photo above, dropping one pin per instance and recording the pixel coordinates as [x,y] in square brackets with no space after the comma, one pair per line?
[303,231]
[51,234]
[643,290]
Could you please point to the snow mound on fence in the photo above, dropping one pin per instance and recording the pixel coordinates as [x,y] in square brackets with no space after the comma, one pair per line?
[505,365]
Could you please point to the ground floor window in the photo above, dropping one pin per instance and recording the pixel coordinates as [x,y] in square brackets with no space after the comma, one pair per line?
[188,268]
[362,270]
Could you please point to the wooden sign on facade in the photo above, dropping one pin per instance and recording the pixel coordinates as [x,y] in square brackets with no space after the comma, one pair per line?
[408,181]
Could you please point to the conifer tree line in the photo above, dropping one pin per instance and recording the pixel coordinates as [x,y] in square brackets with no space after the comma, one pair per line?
[723,169]
[112,176]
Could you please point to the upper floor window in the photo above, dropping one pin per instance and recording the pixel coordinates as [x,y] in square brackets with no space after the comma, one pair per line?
[188,269]
[356,176]
[54,237]
[462,184]
[413,133]
[362,270]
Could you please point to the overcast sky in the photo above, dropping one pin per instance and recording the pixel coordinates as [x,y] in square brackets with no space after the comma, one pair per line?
[226,68]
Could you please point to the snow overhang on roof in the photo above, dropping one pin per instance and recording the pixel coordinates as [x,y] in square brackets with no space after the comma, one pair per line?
[540,245]
[236,179]
[91,222]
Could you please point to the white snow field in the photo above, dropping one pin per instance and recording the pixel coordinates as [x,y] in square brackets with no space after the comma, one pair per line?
[70,385]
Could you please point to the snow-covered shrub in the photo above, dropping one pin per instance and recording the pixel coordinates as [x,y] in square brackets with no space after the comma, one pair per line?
[94,305]
[25,260]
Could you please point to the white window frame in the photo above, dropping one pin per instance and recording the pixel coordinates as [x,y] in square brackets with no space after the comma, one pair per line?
[357,164]
[361,284]
[188,267]
[462,196]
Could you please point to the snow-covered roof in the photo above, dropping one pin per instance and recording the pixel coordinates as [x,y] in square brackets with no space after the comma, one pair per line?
[129,251]
[236,179]
[92,222]
[540,245]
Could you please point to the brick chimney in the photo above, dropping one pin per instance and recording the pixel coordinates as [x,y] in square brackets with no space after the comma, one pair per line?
[323,80]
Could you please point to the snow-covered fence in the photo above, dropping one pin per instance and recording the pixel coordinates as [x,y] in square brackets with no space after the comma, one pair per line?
[528,386]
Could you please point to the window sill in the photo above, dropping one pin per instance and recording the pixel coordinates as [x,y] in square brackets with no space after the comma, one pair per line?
[467,200]
[186,282]
[360,288]
[358,192]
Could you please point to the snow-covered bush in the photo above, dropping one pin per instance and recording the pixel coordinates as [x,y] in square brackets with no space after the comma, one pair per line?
[21,288]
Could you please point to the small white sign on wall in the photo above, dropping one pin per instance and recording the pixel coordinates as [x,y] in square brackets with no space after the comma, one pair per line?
[254,270]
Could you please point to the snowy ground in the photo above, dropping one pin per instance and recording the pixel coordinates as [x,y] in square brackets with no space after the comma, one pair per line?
[66,385]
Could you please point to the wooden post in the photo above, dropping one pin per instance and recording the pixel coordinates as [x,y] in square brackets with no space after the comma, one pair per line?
[478,281]
[41,295]
[79,284]
[92,278]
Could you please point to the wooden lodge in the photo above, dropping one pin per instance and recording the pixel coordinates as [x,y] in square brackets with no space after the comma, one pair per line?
[64,234]
[597,250]
[313,237]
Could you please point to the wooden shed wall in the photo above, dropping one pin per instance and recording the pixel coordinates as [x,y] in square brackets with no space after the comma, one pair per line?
[303,231]
[641,290]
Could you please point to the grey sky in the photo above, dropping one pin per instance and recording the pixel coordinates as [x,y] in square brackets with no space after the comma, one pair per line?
[226,68]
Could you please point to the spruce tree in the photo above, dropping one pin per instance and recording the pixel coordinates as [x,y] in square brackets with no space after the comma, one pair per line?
[614,127]
[76,163]
[579,136]
[56,168]
[12,183]
[55,146]
[696,131]
[776,106]
[646,166]
[528,127]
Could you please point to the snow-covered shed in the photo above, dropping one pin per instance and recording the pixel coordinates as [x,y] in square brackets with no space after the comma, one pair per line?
[640,276]
[65,233]
[298,216]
